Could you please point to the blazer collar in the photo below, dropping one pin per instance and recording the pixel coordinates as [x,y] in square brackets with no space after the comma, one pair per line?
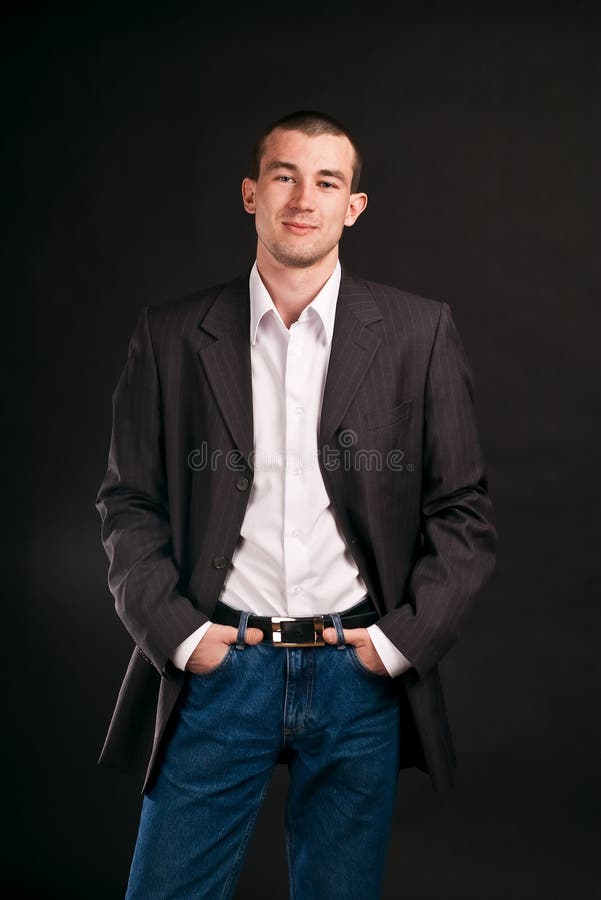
[355,341]
[224,349]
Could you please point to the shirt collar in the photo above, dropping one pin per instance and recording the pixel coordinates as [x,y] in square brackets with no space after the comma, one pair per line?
[324,304]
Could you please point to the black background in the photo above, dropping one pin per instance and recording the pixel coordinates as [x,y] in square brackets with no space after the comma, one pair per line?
[127,130]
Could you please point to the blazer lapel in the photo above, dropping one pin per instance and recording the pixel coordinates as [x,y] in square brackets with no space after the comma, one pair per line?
[224,349]
[353,349]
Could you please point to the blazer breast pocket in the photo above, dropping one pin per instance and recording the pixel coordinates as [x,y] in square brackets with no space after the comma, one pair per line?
[381,418]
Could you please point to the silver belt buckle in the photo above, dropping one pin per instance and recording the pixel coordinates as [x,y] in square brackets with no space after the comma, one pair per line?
[276,632]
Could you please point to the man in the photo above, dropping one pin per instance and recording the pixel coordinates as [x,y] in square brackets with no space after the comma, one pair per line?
[296,518]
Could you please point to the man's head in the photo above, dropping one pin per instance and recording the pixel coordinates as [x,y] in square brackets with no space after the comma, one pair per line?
[302,188]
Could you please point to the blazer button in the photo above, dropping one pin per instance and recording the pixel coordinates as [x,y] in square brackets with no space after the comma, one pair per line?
[242,484]
[220,562]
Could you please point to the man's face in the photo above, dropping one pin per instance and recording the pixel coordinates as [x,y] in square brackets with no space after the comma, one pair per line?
[302,200]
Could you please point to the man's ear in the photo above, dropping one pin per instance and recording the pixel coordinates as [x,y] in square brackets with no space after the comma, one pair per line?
[356,205]
[248,194]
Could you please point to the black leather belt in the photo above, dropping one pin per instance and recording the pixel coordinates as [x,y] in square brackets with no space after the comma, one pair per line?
[304,631]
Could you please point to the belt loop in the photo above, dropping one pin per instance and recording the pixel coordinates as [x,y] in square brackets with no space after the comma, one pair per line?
[240,639]
[339,632]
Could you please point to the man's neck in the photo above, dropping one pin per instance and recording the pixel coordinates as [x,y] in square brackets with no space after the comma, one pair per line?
[292,288]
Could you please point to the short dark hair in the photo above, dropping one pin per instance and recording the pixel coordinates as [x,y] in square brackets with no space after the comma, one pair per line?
[310,122]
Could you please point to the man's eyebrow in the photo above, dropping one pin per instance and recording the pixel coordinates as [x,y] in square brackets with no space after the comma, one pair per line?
[282,164]
[333,173]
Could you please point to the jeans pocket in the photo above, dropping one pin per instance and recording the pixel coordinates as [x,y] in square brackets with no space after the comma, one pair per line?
[220,665]
[361,667]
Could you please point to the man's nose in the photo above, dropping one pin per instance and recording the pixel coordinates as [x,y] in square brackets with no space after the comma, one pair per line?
[303,196]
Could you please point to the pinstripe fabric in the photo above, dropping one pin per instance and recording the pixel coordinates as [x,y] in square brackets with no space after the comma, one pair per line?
[400,458]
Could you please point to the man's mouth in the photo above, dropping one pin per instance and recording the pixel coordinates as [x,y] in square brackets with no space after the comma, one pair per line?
[298,227]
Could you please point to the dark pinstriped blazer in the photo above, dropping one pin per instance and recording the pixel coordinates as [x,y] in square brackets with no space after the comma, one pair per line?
[400,458]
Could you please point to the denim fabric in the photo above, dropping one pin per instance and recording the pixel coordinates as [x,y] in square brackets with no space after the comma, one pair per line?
[340,725]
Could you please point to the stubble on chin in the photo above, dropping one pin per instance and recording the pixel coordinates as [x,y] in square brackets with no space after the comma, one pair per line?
[297,257]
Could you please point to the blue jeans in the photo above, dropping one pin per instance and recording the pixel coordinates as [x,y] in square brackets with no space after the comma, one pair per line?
[339,726]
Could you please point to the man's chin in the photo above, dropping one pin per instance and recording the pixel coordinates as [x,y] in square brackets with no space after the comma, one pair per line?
[296,258]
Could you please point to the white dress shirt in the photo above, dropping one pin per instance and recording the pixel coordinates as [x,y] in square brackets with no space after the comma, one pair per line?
[291,558]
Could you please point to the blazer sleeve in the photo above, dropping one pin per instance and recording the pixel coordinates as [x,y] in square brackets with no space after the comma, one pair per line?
[457,528]
[133,505]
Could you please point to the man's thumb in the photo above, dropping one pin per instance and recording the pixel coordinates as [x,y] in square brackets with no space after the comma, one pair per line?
[329,635]
[254,635]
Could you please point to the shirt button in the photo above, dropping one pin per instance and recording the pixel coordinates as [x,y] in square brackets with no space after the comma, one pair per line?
[242,483]
[300,409]
[297,590]
[219,562]
[296,532]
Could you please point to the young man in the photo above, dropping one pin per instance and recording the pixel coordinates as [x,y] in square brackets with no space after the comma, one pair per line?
[296,517]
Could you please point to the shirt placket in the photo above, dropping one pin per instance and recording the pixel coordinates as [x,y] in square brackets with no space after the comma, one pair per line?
[296,561]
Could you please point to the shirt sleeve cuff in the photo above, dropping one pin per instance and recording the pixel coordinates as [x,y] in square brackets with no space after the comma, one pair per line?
[394,661]
[184,651]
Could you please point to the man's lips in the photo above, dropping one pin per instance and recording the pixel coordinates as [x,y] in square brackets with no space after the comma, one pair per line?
[298,227]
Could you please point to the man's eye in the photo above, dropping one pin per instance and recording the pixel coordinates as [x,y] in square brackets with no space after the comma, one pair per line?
[327,184]
[284,178]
